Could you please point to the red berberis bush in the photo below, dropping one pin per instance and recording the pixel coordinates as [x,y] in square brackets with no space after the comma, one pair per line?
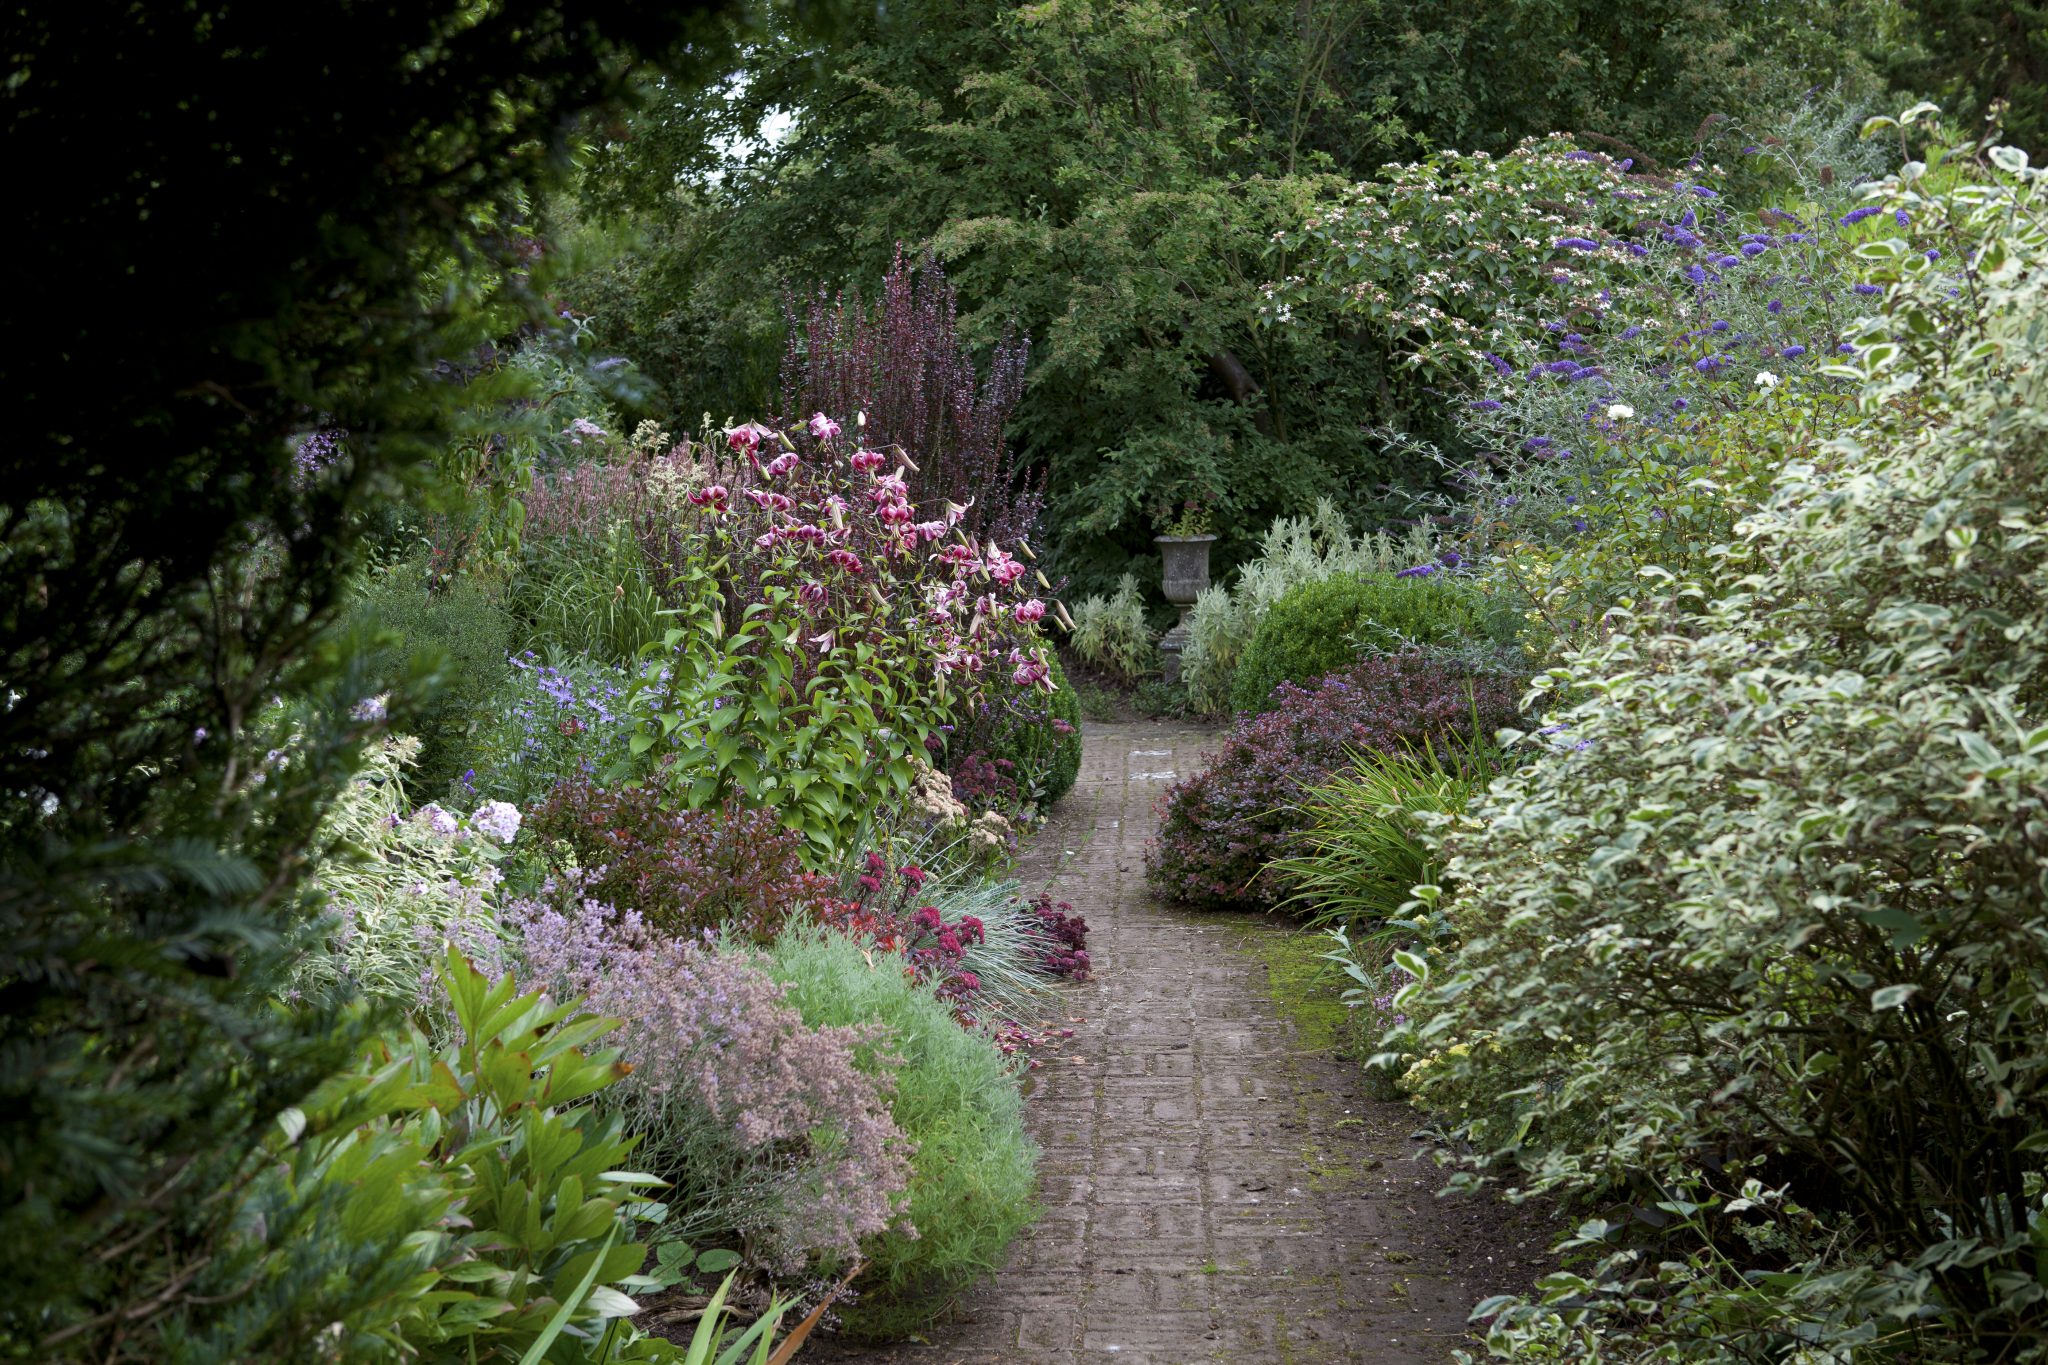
[903,366]
[683,871]
[1219,828]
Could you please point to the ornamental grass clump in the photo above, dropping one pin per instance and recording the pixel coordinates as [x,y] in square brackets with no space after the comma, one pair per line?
[1368,836]
[1221,827]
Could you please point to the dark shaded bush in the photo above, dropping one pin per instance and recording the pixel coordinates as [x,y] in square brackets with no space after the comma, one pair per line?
[1022,746]
[684,871]
[460,629]
[1221,827]
[1319,627]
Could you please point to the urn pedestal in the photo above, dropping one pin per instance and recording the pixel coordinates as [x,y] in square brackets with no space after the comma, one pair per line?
[1184,562]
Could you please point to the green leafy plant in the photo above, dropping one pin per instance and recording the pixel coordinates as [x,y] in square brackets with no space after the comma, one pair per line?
[1756,945]
[457,1201]
[589,596]
[1324,624]
[823,637]
[1110,632]
[974,1171]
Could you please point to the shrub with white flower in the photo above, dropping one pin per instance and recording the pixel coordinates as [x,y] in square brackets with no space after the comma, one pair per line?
[499,819]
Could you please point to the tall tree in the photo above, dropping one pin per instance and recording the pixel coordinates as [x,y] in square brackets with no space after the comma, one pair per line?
[248,223]
[1108,175]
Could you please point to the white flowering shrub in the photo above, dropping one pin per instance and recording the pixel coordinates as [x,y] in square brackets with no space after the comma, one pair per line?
[1755,948]
[1296,550]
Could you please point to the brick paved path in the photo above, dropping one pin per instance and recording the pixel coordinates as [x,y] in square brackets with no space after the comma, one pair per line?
[1211,1192]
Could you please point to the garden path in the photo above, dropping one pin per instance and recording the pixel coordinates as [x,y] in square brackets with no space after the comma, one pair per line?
[1213,1190]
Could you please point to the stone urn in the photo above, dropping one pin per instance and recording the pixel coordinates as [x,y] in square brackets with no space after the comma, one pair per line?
[1185,572]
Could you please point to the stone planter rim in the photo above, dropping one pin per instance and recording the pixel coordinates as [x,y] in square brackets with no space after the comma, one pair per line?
[1184,540]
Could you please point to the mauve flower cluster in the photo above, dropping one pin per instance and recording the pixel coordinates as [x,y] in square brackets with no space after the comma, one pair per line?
[682,871]
[822,511]
[709,1034]
[1222,826]
[1067,953]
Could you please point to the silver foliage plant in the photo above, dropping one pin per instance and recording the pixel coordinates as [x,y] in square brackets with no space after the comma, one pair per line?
[1758,939]
[1296,550]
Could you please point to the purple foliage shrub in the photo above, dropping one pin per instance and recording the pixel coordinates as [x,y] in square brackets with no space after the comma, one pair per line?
[681,871]
[903,364]
[769,1129]
[1222,826]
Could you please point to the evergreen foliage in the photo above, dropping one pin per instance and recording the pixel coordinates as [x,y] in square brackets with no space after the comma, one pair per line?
[1324,624]
[284,218]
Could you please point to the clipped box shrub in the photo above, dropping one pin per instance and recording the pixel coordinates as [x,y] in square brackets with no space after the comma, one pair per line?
[1318,627]
[1221,827]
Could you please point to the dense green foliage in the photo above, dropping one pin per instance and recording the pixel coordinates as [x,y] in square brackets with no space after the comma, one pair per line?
[1757,939]
[463,630]
[1978,58]
[1108,176]
[457,1198]
[294,214]
[1322,625]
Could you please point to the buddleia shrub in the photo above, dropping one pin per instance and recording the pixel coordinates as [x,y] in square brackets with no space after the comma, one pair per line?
[1758,945]
[1322,625]
[1222,826]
